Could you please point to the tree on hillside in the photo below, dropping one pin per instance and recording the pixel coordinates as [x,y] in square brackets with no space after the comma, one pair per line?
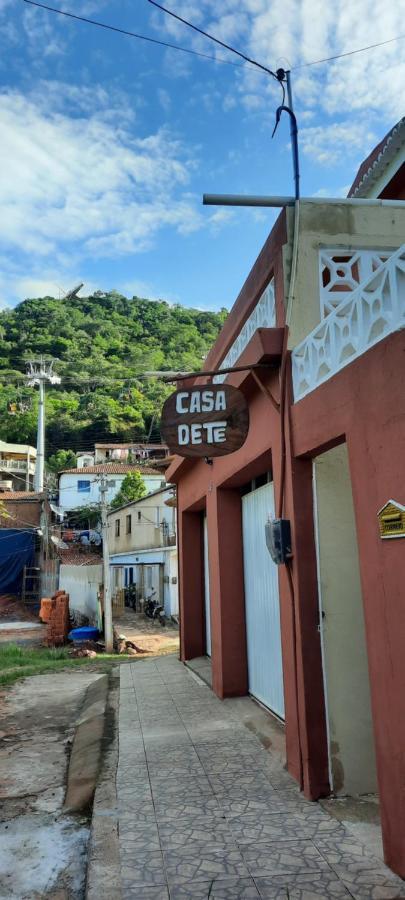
[103,344]
[132,488]
[62,459]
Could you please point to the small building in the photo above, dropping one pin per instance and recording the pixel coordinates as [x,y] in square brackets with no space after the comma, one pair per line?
[81,576]
[129,453]
[319,640]
[143,548]
[17,466]
[28,526]
[81,487]
[84,460]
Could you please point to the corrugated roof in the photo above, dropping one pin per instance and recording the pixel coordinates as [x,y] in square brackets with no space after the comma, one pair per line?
[76,558]
[379,158]
[109,469]
[20,495]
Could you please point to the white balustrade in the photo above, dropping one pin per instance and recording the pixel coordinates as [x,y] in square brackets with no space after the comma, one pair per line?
[263,316]
[363,317]
[342,271]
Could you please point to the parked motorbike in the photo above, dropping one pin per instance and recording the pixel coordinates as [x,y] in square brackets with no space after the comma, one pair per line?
[154,610]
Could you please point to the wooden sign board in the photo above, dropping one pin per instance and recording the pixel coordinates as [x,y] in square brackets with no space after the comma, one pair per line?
[207,420]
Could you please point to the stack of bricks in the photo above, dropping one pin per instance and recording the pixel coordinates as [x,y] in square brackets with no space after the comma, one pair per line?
[58,622]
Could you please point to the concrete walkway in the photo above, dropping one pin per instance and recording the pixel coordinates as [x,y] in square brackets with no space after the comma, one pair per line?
[206,812]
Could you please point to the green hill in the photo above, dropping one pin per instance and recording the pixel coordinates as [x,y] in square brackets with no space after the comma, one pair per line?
[102,344]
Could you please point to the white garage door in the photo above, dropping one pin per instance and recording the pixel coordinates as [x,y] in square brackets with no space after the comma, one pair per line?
[262,603]
[207,592]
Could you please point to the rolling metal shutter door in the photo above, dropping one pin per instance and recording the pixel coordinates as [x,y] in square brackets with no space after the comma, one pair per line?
[263,632]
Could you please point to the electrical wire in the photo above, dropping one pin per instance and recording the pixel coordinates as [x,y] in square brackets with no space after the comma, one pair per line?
[133,34]
[326,59]
[248,59]
[250,63]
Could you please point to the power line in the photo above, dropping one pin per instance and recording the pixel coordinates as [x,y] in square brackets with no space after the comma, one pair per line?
[251,62]
[133,34]
[216,40]
[327,59]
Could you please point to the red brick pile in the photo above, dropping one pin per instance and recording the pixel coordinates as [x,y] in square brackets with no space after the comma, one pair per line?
[55,611]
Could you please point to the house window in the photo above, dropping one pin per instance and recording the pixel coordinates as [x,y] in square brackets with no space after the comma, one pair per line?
[83,487]
[117,527]
[129,524]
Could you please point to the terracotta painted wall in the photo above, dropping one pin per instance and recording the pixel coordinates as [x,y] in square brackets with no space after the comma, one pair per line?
[365,404]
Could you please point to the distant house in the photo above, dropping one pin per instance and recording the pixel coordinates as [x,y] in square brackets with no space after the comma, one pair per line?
[81,487]
[17,467]
[83,460]
[127,453]
[143,548]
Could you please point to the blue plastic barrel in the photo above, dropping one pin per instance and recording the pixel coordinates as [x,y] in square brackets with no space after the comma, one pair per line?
[86,633]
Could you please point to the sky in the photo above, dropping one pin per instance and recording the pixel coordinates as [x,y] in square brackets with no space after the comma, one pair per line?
[108,143]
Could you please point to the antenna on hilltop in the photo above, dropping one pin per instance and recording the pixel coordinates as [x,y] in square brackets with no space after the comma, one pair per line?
[74,292]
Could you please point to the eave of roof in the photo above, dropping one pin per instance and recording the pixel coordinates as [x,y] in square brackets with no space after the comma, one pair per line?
[109,469]
[377,161]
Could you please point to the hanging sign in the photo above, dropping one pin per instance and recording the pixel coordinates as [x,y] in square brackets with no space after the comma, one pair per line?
[207,420]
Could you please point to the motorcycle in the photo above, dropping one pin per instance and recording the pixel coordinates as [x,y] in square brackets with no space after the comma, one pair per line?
[154,610]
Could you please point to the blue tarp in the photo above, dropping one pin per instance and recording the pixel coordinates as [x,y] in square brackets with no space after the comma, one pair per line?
[17,549]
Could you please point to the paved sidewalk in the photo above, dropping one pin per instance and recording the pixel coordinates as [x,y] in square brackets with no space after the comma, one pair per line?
[206,812]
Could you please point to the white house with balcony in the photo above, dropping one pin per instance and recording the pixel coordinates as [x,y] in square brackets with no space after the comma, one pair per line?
[17,467]
[81,486]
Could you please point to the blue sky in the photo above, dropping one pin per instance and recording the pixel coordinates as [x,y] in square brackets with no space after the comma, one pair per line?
[109,143]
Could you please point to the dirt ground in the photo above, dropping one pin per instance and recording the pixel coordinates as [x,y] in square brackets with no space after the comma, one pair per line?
[148,634]
[42,852]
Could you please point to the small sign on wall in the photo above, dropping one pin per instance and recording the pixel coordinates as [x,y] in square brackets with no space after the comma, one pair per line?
[205,421]
[391,519]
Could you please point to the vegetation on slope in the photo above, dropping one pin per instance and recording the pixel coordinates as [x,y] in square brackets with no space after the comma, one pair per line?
[103,343]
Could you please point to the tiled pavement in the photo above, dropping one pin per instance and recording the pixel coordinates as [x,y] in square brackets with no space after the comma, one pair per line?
[206,812]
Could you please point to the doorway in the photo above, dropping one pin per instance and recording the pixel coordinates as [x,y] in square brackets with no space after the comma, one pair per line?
[352,768]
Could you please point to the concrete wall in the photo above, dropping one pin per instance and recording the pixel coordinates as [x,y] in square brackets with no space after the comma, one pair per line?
[82,584]
[351,738]
[334,225]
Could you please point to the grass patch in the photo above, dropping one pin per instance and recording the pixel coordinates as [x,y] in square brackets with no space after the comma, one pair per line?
[22,662]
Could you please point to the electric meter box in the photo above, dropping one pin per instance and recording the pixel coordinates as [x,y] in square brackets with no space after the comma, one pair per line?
[278,540]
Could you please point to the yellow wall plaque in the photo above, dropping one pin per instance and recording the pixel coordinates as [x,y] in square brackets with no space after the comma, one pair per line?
[391,519]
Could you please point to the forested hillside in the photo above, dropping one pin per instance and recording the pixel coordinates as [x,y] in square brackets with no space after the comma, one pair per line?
[102,343]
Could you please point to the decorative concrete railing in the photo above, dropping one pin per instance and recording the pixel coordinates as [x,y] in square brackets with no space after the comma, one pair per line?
[342,271]
[263,316]
[373,310]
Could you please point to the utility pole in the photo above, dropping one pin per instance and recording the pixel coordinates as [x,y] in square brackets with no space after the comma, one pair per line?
[108,624]
[41,371]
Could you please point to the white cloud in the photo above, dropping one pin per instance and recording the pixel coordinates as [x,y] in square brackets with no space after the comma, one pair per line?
[80,179]
[293,32]
[330,144]
[84,186]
